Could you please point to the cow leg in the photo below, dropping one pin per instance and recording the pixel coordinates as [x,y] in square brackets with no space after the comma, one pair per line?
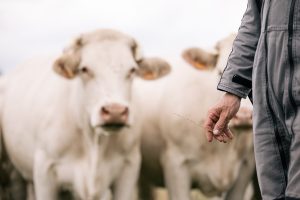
[176,175]
[244,178]
[30,191]
[107,195]
[125,185]
[44,178]
[18,186]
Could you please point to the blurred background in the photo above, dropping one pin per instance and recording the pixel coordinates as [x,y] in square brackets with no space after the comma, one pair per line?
[30,28]
[164,28]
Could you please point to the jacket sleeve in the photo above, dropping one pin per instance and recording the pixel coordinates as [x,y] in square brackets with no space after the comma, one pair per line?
[240,61]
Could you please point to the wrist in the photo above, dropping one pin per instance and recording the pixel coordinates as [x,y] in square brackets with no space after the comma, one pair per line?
[232,96]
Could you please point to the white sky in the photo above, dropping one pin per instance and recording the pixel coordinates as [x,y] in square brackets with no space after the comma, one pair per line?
[30,28]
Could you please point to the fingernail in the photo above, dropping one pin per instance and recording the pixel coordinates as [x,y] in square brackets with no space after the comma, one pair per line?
[216,132]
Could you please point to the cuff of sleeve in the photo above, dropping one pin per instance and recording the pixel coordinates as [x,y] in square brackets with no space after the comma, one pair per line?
[238,92]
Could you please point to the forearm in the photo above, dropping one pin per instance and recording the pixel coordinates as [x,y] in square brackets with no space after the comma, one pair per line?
[240,61]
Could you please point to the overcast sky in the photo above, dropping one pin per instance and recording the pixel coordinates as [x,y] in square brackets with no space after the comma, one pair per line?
[30,28]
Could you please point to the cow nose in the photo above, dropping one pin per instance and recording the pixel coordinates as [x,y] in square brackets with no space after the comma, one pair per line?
[243,118]
[114,114]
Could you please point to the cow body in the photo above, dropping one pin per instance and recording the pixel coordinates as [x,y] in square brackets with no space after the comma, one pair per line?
[66,132]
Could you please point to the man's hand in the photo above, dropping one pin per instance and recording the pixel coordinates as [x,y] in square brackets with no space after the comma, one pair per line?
[218,117]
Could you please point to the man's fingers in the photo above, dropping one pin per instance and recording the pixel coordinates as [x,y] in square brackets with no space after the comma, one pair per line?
[213,116]
[228,133]
[217,126]
[209,130]
[224,137]
[211,120]
[209,125]
[209,136]
[218,117]
[220,138]
[221,125]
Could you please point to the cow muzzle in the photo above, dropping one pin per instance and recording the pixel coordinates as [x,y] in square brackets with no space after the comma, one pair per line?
[114,116]
[243,119]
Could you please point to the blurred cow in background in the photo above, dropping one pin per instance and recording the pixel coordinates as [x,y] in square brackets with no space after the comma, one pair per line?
[242,122]
[76,129]
[12,185]
[175,152]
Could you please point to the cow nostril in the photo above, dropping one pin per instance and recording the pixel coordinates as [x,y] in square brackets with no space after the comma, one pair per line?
[125,112]
[104,111]
[114,113]
[114,116]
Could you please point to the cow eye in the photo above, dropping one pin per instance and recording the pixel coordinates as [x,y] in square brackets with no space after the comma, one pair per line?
[131,72]
[84,70]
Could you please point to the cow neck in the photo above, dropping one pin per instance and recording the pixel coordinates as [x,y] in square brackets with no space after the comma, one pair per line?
[91,138]
[80,115]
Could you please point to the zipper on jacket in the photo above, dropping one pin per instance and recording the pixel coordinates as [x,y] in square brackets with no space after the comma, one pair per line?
[277,134]
[291,61]
[283,159]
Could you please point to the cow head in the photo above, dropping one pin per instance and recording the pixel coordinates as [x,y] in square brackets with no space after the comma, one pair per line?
[104,64]
[204,60]
[216,61]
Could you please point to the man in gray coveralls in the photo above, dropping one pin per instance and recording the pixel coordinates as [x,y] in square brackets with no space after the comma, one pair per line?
[265,61]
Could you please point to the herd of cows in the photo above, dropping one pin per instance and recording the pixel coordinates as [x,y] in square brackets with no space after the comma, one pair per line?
[101,121]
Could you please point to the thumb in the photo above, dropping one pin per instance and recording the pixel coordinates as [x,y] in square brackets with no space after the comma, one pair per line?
[221,124]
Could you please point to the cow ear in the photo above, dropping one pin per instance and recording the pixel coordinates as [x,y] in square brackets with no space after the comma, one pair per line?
[136,51]
[153,68]
[200,59]
[66,66]
[149,68]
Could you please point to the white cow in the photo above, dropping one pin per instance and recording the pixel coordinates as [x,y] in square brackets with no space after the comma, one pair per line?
[241,122]
[175,152]
[75,129]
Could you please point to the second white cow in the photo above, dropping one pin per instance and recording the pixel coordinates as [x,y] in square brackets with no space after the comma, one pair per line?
[174,148]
